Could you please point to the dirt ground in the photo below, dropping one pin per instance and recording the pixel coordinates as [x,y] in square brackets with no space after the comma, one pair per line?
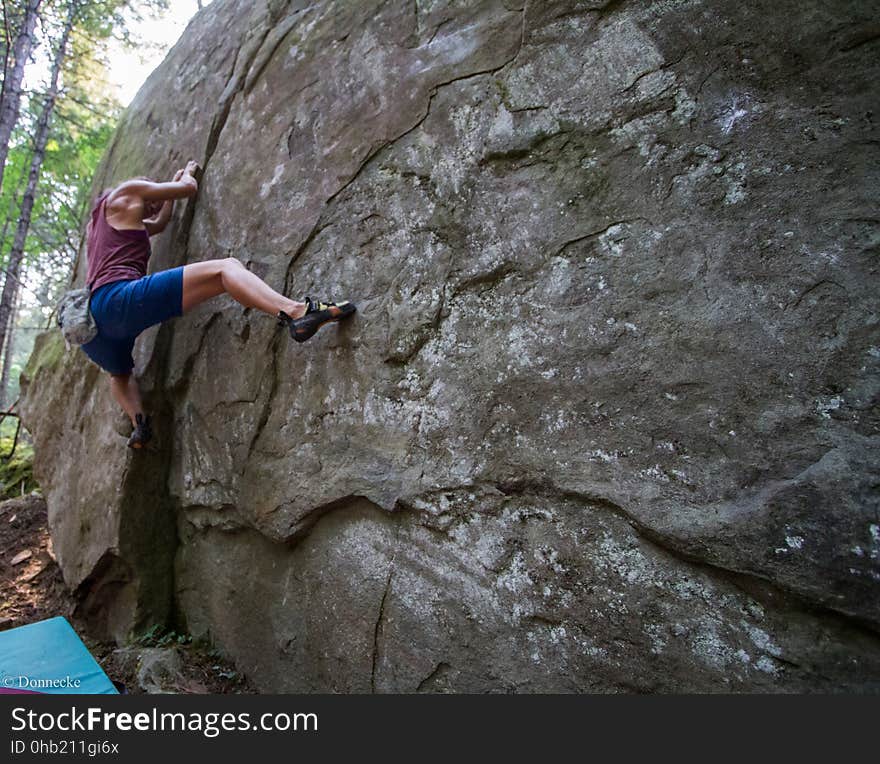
[32,589]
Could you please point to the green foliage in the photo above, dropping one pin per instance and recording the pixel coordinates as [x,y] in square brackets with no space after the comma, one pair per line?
[77,141]
[16,473]
[81,128]
[150,636]
[158,636]
[7,427]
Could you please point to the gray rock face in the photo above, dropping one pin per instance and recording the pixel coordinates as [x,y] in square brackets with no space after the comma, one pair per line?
[156,669]
[607,417]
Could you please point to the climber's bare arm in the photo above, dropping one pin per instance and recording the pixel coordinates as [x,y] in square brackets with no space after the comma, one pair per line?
[157,223]
[130,204]
[148,191]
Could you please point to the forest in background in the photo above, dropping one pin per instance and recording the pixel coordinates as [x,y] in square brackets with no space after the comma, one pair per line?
[58,112]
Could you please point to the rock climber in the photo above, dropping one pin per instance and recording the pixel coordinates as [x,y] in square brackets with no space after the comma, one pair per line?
[124,301]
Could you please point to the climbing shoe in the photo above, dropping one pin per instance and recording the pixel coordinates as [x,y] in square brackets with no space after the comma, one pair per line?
[143,432]
[317,314]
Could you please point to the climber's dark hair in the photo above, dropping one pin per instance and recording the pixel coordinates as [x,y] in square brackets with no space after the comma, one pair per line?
[98,196]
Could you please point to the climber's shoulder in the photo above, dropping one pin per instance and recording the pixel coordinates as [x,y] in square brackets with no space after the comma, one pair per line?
[139,190]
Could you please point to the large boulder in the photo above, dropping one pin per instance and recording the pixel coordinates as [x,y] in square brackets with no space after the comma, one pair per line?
[607,417]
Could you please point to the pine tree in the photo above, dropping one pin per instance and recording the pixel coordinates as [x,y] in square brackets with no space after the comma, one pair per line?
[10,98]
[41,137]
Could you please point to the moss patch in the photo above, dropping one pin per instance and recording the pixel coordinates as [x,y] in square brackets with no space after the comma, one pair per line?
[48,352]
[16,473]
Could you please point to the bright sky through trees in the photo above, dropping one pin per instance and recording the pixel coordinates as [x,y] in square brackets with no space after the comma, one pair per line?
[130,68]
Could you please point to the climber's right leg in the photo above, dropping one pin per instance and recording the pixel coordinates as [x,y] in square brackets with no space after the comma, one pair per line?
[202,281]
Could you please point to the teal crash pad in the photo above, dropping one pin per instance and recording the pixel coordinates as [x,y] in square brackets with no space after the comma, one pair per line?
[49,657]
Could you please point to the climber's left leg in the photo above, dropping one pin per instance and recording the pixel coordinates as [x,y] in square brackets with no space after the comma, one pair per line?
[202,281]
[127,394]
[125,391]
[124,388]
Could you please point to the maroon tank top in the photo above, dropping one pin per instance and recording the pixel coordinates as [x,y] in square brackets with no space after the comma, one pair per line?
[114,254]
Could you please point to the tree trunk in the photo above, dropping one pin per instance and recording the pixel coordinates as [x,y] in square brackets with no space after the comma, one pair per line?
[10,99]
[41,137]
[8,353]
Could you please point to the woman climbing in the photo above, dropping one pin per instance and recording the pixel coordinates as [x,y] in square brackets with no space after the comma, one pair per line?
[124,301]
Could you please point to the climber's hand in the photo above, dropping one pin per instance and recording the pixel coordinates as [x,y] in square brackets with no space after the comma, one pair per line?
[192,167]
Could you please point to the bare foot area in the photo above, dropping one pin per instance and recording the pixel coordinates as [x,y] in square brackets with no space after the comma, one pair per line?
[32,589]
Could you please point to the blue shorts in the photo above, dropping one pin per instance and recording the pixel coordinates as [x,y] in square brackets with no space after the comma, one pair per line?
[123,309]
